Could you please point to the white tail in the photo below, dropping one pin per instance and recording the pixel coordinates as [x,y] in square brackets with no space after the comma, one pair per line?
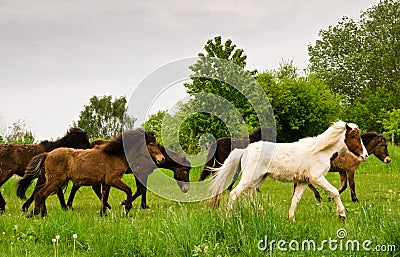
[223,175]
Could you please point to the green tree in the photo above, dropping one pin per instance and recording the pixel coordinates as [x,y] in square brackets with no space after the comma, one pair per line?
[1,139]
[104,117]
[392,125]
[361,61]
[154,123]
[303,106]
[19,134]
[354,56]
[220,71]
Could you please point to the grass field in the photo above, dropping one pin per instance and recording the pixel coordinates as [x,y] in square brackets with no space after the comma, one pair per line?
[193,229]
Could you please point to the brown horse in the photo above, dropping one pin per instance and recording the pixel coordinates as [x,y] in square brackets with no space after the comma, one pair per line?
[105,164]
[24,184]
[173,161]
[15,158]
[346,163]
[220,149]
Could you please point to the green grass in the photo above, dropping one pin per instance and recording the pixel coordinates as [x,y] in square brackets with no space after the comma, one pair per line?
[193,229]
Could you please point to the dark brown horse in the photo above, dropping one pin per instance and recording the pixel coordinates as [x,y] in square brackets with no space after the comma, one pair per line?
[346,163]
[103,165]
[220,149]
[14,158]
[173,161]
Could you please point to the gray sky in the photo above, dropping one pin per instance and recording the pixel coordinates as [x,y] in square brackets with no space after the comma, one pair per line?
[56,54]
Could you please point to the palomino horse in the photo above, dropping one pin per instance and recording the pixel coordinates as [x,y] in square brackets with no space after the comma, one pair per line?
[303,162]
[104,165]
[173,161]
[346,163]
[15,158]
[220,149]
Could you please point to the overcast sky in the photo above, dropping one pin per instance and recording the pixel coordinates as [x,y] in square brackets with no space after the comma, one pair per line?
[55,55]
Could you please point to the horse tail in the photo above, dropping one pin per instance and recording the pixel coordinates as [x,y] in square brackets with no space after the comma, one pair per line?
[33,170]
[223,175]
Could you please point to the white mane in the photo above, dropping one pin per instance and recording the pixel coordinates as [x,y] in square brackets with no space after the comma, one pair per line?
[328,138]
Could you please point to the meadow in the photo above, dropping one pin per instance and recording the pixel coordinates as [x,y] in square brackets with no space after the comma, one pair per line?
[170,228]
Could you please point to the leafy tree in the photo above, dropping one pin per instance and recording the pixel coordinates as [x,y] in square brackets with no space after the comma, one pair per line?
[218,72]
[303,106]
[353,56]
[361,61]
[19,134]
[154,123]
[104,117]
[392,125]
[1,139]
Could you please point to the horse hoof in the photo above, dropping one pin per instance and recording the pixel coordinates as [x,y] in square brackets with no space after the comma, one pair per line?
[122,203]
[355,200]
[342,216]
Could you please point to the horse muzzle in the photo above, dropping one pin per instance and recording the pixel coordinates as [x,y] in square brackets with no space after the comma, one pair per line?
[363,157]
[160,159]
[184,187]
[387,159]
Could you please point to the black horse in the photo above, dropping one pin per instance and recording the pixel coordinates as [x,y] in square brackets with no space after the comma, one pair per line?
[220,149]
[173,161]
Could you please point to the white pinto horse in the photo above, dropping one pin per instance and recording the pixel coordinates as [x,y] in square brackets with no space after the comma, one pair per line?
[302,162]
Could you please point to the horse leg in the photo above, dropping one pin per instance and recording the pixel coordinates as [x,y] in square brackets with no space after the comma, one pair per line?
[235,177]
[61,199]
[350,177]
[72,194]
[104,199]
[343,183]
[141,185]
[41,196]
[316,193]
[298,192]
[119,184]
[4,177]
[206,172]
[97,191]
[39,184]
[234,194]
[323,183]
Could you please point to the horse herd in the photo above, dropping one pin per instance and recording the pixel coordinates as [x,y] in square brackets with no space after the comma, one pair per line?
[102,163]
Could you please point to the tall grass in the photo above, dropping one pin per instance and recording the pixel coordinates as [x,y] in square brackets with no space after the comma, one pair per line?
[193,229]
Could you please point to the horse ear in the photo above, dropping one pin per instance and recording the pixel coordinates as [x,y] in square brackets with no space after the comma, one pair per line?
[348,127]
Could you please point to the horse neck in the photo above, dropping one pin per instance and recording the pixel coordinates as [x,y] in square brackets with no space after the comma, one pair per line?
[371,145]
[330,141]
[50,146]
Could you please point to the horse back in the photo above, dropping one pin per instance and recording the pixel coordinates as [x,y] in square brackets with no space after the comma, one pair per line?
[84,167]
[15,158]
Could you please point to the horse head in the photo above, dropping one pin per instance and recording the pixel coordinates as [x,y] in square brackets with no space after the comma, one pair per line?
[354,143]
[152,147]
[376,144]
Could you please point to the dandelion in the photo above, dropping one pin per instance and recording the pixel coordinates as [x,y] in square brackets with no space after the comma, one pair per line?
[55,243]
[74,236]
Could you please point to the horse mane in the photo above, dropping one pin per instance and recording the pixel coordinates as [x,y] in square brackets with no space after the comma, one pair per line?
[369,136]
[130,137]
[71,138]
[328,138]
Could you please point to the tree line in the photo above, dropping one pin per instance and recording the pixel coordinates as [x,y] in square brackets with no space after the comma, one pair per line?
[353,75]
